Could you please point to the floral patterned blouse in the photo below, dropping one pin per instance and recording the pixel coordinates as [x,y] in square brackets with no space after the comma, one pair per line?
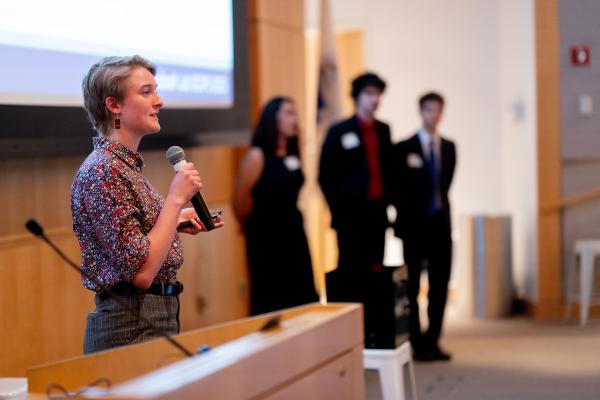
[114,207]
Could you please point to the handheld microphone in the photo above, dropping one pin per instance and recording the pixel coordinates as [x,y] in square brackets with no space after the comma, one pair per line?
[176,156]
[37,230]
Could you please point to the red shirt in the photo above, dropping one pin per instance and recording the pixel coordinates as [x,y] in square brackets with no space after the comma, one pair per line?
[371,143]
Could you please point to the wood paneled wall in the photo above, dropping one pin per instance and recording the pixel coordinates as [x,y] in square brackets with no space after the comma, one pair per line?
[42,301]
[43,305]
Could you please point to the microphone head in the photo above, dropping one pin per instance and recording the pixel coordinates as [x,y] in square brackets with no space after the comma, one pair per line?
[175,154]
[35,228]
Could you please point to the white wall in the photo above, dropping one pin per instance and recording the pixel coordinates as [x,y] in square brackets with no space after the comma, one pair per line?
[481,56]
[519,127]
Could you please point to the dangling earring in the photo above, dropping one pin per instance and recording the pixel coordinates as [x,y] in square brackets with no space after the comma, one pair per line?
[117,123]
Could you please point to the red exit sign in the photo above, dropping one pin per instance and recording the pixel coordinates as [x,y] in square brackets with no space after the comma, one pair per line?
[580,56]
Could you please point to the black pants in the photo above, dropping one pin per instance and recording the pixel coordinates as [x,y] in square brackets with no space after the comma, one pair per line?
[361,245]
[360,253]
[431,251]
[360,276]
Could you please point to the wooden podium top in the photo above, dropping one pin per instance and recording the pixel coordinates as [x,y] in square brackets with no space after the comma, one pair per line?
[311,346]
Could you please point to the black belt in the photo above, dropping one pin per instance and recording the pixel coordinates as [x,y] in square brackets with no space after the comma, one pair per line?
[159,289]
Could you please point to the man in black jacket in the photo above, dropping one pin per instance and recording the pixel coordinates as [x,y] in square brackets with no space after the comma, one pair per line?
[353,175]
[423,168]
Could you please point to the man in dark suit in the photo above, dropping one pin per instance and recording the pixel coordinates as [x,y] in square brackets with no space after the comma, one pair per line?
[423,168]
[353,175]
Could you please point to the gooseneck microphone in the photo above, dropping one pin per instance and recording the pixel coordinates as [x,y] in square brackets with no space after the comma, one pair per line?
[176,156]
[36,229]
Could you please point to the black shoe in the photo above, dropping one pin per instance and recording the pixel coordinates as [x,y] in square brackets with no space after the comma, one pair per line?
[429,355]
[440,355]
[424,356]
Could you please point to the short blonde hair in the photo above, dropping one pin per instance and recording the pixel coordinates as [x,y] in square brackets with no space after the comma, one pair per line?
[107,78]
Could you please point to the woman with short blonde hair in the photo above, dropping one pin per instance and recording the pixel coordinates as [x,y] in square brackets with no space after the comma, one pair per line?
[128,234]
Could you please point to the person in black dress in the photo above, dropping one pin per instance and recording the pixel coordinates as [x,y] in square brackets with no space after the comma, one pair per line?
[266,191]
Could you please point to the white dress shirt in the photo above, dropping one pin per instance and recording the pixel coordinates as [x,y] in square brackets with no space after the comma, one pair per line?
[426,139]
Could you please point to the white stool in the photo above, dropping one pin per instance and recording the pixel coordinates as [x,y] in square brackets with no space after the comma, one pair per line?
[395,369]
[13,388]
[587,251]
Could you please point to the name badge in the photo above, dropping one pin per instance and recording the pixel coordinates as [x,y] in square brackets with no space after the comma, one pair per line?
[292,163]
[350,140]
[413,160]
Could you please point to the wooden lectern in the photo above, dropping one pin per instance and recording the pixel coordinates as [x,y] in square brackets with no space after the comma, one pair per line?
[315,352]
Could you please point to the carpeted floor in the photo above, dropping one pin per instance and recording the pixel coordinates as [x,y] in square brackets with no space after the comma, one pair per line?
[516,359]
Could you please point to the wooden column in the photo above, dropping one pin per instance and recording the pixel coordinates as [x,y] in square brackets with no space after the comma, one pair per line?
[276,30]
[548,304]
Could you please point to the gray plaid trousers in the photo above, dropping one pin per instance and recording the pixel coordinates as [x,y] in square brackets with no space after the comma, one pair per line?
[110,325]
